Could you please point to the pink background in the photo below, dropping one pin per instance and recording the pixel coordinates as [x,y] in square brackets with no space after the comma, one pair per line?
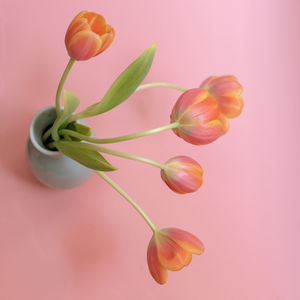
[88,243]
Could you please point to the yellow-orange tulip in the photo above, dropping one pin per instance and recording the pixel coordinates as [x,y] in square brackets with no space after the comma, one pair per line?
[182,174]
[88,35]
[171,249]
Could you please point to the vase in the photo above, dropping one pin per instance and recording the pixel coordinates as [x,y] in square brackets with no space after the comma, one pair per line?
[52,168]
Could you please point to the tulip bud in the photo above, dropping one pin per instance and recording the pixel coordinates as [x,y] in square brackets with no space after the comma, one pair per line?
[199,118]
[226,90]
[171,249]
[182,174]
[88,35]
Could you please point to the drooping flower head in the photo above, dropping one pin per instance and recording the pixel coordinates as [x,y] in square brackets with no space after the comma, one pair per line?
[182,174]
[88,35]
[171,249]
[227,91]
[199,117]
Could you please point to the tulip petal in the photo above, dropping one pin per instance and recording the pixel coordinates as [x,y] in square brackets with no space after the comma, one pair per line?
[84,45]
[186,102]
[76,18]
[171,256]
[224,121]
[96,21]
[227,89]
[201,134]
[80,25]
[184,239]
[107,38]
[156,270]
[207,82]
[231,107]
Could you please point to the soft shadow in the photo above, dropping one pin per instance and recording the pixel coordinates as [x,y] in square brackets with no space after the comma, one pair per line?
[89,247]
[14,143]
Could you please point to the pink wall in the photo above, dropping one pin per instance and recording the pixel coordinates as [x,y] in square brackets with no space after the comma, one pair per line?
[88,243]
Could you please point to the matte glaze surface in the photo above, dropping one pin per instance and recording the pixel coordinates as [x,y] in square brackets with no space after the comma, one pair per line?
[51,167]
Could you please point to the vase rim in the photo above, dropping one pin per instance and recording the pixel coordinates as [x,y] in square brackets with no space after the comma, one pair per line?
[33,138]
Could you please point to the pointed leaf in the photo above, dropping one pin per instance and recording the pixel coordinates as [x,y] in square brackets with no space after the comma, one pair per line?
[123,86]
[90,158]
[71,102]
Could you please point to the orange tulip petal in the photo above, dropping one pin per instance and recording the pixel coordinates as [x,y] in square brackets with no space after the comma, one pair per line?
[184,239]
[187,101]
[107,39]
[227,89]
[97,22]
[224,121]
[159,273]
[171,256]
[231,107]
[207,82]
[84,45]
[80,25]
[77,17]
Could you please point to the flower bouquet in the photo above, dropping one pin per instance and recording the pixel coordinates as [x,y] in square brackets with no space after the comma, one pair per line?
[200,116]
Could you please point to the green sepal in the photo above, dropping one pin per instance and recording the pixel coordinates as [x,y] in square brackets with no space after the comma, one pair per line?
[123,86]
[71,102]
[90,158]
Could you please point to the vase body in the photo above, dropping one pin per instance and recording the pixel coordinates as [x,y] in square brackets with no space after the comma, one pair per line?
[52,168]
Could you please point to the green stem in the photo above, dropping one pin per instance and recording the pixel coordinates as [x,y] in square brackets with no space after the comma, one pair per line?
[160,84]
[128,198]
[120,138]
[58,95]
[118,153]
[132,157]
[61,84]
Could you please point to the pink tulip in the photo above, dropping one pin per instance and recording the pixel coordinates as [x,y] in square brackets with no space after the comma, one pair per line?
[182,174]
[88,35]
[171,249]
[199,118]
[227,91]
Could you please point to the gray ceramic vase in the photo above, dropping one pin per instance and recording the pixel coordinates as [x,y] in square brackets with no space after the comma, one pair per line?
[52,168]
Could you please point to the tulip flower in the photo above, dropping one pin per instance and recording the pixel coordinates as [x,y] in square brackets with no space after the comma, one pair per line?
[182,174]
[226,90]
[171,249]
[88,35]
[198,116]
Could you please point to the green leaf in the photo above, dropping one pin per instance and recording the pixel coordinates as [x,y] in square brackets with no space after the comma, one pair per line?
[123,86]
[80,128]
[90,158]
[71,102]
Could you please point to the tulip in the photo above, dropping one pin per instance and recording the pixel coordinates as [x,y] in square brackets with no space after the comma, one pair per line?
[226,90]
[198,116]
[171,249]
[182,174]
[88,35]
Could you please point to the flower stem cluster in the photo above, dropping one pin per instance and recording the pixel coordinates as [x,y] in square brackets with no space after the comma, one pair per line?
[200,116]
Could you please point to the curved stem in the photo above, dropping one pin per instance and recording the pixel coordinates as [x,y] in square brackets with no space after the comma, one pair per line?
[61,84]
[132,157]
[160,84]
[120,154]
[120,138]
[128,198]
